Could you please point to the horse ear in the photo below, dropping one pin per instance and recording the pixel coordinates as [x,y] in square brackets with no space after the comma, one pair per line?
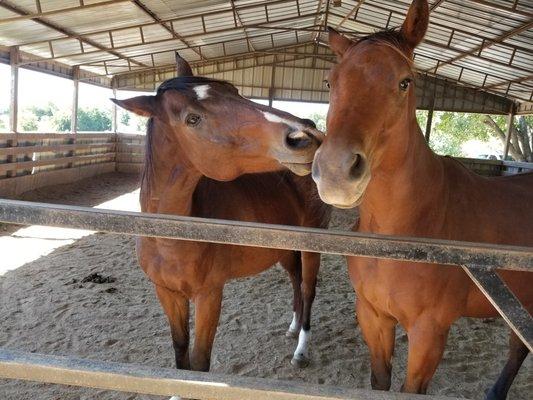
[140,105]
[182,66]
[338,43]
[416,23]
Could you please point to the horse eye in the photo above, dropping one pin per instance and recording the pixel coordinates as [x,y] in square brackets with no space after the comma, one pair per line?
[404,85]
[327,83]
[193,119]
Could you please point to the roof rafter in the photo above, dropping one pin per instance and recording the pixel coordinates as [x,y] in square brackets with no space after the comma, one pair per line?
[164,25]
[449,47]
[64,31]
[486,44]
[159,41]
[270,51]
[41,14]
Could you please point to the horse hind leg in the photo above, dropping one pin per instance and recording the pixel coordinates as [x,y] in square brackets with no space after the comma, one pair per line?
[293,266]
[517,354]
[310,267]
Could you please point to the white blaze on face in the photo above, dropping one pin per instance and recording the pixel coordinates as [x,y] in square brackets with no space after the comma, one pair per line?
[280,120]
[201,91]
[275,118]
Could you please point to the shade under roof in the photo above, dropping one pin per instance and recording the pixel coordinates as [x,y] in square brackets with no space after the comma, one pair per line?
[271,48]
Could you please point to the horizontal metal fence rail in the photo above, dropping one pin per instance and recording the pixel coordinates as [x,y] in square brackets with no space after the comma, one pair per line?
[478,260]
[477,255]
[171,382]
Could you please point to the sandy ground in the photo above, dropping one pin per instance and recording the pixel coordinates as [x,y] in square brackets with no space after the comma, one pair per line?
[46,307]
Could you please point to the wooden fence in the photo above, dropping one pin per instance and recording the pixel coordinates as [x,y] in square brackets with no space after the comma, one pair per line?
[31,160]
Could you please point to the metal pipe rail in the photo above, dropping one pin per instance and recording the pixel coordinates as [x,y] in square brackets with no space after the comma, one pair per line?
[475,255]
[478,260]
[171,382]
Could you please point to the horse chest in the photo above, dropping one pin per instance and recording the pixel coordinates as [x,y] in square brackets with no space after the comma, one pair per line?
[402,289]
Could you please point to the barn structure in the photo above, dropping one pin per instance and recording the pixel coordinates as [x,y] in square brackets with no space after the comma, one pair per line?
[477,57]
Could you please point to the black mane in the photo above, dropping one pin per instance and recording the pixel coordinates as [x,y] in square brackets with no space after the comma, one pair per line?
[392,36]
[188,82]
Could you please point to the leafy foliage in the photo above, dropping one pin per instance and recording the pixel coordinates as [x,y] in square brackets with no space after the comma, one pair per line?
[92,120]
[319,119]
[452,130]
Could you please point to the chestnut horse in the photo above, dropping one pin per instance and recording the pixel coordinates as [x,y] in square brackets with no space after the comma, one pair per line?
[200,132]
[375,156]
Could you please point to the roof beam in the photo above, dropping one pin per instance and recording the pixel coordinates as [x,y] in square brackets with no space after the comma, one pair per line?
[238,22]
[517,80]
[436,4]
[164,25]
[5,4]
[159,41]
[268,51]
[448,47]
[485,45]
[41,14]
[440,25]
[352,12]
[511,9]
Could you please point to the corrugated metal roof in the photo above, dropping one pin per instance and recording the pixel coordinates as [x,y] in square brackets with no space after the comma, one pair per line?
[486,44]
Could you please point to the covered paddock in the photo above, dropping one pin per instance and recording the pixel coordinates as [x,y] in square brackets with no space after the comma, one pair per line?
[55,312]
[477,58]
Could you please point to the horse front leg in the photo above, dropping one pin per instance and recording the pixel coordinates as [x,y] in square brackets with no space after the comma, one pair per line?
[207,314]
[517,354]
[427,340]
[176,307]
[310,267]
[379,334]
[293,266]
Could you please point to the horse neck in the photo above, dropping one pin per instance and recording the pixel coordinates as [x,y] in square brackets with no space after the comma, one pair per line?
[406,184]
[169,178]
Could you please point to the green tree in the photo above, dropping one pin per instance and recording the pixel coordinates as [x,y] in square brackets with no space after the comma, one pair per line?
[319,119]
[93,120]
[521,143]
[125,118]
[41,112]
[451,130]
[28,121]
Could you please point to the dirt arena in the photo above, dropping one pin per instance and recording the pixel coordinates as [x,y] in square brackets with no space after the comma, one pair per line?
[53,305]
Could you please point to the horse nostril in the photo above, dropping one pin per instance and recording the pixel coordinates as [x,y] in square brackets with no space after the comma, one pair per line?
[297,140]
[358,167]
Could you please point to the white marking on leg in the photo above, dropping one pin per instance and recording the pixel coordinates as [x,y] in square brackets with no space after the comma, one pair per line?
[175,398]
[201,91]
[293,328]
[302,350]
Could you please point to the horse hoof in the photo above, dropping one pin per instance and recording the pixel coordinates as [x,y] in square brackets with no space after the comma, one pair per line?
[300,362]
[292,334]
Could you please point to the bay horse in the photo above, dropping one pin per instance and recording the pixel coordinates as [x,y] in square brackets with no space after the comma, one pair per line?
[375,156]
[211,153]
